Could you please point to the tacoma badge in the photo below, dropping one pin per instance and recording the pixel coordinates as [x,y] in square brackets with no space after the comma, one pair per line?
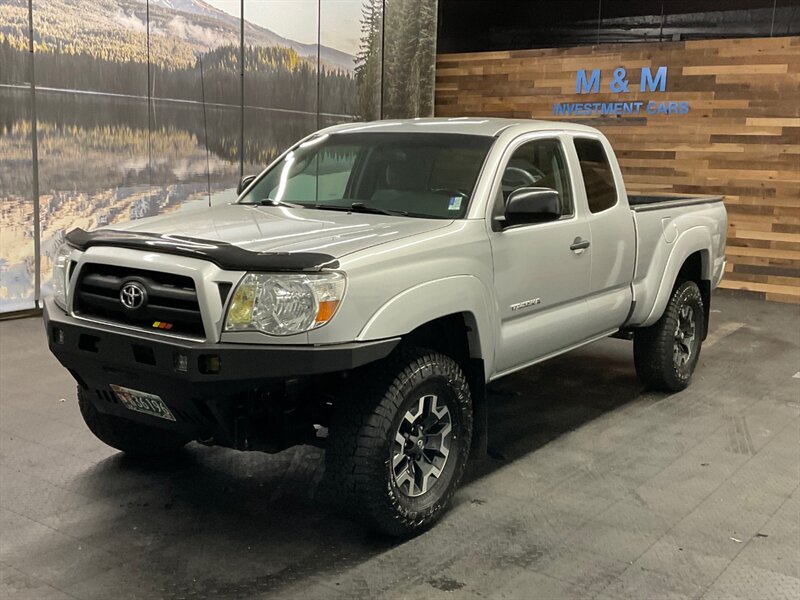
[526,303]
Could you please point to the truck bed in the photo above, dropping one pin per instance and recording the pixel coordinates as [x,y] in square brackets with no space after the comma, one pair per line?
[642,202]
[660,222]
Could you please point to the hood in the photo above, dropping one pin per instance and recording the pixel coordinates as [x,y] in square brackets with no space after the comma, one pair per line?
[283,229]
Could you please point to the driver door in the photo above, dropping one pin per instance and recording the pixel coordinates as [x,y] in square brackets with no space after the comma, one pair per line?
[541,279]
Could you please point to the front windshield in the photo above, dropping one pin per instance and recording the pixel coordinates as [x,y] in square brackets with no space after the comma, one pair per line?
[414,174]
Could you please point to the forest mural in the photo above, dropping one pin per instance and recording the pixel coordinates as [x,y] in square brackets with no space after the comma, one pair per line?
[139,107]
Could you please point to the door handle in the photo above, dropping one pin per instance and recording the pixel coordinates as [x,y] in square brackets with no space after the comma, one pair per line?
[579,245]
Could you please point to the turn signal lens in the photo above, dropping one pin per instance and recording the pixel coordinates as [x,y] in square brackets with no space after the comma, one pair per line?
[326,310]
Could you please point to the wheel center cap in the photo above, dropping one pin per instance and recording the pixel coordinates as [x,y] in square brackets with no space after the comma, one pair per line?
[415,446]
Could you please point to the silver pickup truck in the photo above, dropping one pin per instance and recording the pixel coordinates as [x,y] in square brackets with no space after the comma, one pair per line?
[365,288]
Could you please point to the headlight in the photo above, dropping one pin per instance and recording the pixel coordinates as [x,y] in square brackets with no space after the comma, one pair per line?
[61,275]
[284,304]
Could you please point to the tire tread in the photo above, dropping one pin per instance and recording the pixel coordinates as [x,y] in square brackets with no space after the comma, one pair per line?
[354,459]
[653,346]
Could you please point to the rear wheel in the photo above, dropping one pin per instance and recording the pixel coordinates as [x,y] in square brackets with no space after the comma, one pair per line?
[400,439]
[666,353]
[129,437]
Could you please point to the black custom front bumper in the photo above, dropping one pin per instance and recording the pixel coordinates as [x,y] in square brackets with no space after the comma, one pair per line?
[200,382]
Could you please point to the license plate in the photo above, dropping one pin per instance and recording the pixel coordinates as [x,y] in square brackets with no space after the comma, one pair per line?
[142,402]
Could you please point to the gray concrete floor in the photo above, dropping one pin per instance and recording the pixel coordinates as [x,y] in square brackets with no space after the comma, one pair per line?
[594,488]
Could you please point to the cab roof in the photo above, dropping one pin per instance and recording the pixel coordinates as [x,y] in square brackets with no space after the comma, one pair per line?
[486,126]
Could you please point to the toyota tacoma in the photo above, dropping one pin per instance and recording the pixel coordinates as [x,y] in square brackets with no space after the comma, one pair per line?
[366,286]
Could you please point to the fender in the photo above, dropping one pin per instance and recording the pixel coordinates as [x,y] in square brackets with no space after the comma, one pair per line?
[431,300]
[696,239]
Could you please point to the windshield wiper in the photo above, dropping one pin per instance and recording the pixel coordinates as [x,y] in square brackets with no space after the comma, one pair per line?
[272,202]
[360,207]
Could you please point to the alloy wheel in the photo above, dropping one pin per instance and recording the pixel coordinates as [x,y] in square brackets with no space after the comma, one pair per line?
[685,333]
[421,446]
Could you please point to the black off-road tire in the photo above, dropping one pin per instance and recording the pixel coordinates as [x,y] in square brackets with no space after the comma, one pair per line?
[654,347]
[361,442]
[127,436]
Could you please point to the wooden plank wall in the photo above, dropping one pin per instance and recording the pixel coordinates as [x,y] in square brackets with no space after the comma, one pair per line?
[740,139]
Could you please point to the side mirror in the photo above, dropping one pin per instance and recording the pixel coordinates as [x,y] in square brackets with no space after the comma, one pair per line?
[532,205]
[243,183]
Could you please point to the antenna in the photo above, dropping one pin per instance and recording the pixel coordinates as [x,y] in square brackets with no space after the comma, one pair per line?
[319,63]
[150,107]
[205,127]
[241,89]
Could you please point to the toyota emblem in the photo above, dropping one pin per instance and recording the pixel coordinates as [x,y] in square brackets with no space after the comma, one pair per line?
[132,295]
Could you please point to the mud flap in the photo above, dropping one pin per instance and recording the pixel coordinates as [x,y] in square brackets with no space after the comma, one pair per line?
[480,410]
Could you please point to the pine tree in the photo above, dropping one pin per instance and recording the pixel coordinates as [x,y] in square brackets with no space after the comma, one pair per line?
[409,56]
[426,56]
[368,60]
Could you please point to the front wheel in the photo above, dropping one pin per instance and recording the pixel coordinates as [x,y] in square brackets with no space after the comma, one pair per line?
[400,439]
[666,353]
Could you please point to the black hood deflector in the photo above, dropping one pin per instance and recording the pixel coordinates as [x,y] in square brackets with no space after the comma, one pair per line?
[224,255]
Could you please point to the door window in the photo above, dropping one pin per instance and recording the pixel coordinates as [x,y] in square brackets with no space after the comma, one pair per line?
[601,192]
[539,163]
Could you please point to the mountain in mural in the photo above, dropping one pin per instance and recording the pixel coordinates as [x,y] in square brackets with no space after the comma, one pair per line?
[116,30]
[255,35]
[192,53]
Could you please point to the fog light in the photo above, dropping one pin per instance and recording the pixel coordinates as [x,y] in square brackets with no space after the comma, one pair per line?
[209,364]
[58,335]
[181,362]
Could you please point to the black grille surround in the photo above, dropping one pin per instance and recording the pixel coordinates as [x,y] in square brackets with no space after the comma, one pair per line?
[171,300]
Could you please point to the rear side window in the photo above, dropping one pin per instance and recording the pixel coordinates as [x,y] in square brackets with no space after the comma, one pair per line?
[597,177]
